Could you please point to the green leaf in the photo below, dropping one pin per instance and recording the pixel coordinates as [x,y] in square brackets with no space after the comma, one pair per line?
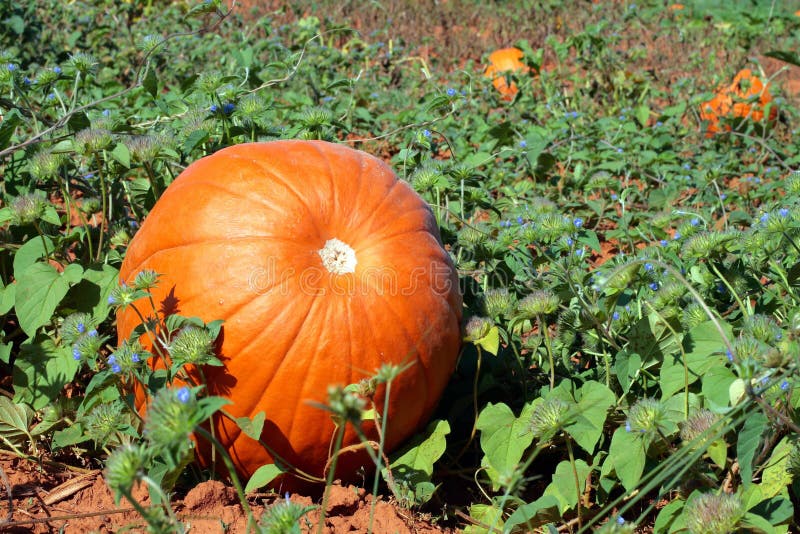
[29,253]
[40,290]
[412,469]
[50,215]
[252,427]
[650,338]
[69,436]
[485,514]
[703,347]
[15,420]
[504,437]
[262,476]
[775,477]
[563,486]
[716,386]
[668,517]
[90,295]
[122,155]
[748,444]
[7,295]
[756,523]
[595,399]
[150,81]
[785,55]
[5,352]
[11,120]
[628,456]
[777,510]
[718,452]
[535,514]
[490,342]
[41,371]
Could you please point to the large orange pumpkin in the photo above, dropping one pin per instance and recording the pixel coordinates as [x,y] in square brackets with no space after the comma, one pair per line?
[324,266]
[746,98]
[502,62]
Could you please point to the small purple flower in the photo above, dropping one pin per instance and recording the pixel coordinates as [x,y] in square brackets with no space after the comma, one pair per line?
[51,96]
[620,520]
[619,151]
[286,496]
[695,221]
[687,166]
[105,113]
[135,357]
[213,108]
[57,69]
[627,426]
[228,108]
[520,220]
[111,299]
[111,360]
[648,267]
[783,212]
[614,196]
[81,328]
[184,394]
[523,144]
[92,333]
[11,67]
[115,368]
[615,316]
[426,133]
[579,252]
[659,124]
[76,352]
[784,385]
[570,242]
[723,196]
[26,80]
[653,286]
[676,236]
[663,243]
[578,222]
[764,218]
[451,91]
[729,355]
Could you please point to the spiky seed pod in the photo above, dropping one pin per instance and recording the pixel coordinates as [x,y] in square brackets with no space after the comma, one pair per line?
[713,514]
[345,406]
[539,302]
[75,325]
[697,424]
[91,140]
[316,117]
[104,421]
[192,345]
[645,416]
[171,418]
[471,236]
[124,467]
[27,208]
[706,244]
[693,315]
[145,148]
[498,302]
[45,165]
[477,328]
[548,418]
[762,327]
[426,178]
[83,62]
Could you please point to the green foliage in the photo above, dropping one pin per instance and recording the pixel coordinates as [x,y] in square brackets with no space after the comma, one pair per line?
[631,285]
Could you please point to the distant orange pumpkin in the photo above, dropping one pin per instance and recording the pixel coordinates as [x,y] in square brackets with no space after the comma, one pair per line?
[746,98]
[676,7]
[502,62]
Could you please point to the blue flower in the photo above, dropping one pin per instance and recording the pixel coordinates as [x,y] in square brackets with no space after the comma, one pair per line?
[620,520]
[614,196]
[579,252]
[26,80]
[426,133]
[729,355]
[648,267]
[620,151]
[570,242]
[663,243]
[653,286]
[213,108]
[76,352]
[676,236]
[111,299]
[695,221]
[451,91]
[81,328]
[106,113]
[523,144]
[615,316]
[723,196]
[115,368]
[57,69]
[783,212]
[11,67]
[111,360]
[228,108]
[92,333]
[135,357]
[627,426]
[784,385]
[520,220]
[764,218]
[578,222]
[687,166]
[184,394]
[659,123]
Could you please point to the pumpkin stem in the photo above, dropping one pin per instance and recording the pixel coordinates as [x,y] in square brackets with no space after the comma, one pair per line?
[338,257]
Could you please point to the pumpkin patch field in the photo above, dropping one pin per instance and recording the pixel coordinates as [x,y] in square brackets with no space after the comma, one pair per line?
[400,267]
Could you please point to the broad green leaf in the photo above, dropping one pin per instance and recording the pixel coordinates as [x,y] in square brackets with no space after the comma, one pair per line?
[252,427]
[757,524]
[703,348]
[412,469]
[716,386]
[29,253]
[7,296]
[718,452]
[749,443]
[90,295]
[627,454]
[486,515]
[669,518]
[8,125]
[69,436]
[504,437]
[15,420]
[535,514]
[40,290]
[564,488]
[490,342]
[5,352]
[122,155]
[777,510]
[626,367]
[775,477]
[262,476]
[737,391]
[590,414]
[651,339]
[41,371]
[50,215]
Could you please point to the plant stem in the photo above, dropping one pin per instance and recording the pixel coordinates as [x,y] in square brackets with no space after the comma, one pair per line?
[578,491]
[329,479]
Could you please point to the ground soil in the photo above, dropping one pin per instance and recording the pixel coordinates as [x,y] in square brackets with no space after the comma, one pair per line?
[45,499]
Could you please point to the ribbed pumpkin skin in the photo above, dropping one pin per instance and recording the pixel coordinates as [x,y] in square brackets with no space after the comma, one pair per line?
[503,61]
[745,86]
[236,237]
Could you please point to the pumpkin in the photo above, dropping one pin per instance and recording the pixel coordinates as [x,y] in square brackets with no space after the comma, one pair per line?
[501,62]
[746,98]
[324,266]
